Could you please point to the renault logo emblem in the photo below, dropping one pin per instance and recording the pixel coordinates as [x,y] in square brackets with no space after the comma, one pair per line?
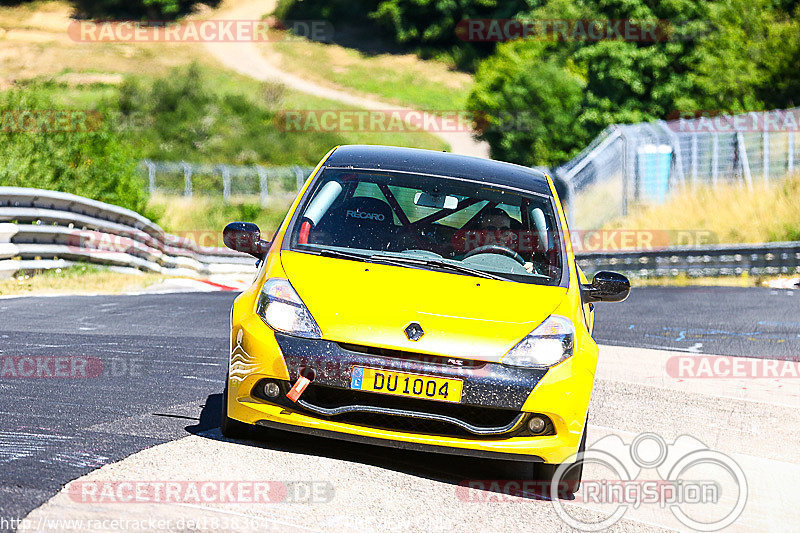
[414,331]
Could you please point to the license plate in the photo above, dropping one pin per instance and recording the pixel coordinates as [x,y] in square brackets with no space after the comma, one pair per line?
[405,384]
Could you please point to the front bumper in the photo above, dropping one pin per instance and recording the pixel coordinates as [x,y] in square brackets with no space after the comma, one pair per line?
[488,386]
[394,442]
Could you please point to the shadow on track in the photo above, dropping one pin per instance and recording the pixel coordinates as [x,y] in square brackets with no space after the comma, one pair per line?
[451,469]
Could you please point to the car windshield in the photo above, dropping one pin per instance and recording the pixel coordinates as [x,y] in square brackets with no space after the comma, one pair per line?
[431,222]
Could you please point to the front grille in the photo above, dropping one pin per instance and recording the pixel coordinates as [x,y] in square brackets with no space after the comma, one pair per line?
[413,356]
[486,418]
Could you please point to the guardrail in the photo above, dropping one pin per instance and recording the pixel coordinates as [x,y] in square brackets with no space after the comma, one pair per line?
[41,229]
[767,259]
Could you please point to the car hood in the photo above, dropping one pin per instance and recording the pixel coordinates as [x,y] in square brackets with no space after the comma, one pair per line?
[462,316]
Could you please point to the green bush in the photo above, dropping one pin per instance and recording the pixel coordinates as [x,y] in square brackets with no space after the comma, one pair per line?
[730,55]
[750,61]
[137,9]
[95,163]
[427,26]
[433,22]
[527,107]
[354,11]
[182,117]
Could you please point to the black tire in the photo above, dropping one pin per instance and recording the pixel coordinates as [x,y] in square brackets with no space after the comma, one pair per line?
[571,480]
[230,428]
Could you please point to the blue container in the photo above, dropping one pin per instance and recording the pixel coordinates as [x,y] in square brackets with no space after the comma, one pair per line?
[654,163]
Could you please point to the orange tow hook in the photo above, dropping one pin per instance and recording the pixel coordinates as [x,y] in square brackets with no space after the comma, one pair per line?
[303,381]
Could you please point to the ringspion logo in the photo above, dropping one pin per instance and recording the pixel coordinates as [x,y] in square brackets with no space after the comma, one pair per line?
[704,489]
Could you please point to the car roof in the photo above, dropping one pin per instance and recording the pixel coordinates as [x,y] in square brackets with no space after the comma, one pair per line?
[389,158]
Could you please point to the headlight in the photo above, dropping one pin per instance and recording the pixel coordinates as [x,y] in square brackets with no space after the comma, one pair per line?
[550,343]
[283,310]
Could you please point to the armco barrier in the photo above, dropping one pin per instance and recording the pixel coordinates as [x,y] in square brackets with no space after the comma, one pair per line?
[41,229]
[767,259]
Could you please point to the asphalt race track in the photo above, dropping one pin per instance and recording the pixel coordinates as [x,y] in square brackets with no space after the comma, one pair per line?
[752,322]
[158,352]
[163,364]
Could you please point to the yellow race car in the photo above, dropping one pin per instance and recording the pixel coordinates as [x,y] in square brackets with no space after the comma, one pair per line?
[420,300]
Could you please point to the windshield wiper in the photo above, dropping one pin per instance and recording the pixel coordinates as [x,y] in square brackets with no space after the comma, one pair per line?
[402,261]
[436,263]
[327,252]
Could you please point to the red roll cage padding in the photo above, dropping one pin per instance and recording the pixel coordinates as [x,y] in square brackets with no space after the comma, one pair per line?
[305,228]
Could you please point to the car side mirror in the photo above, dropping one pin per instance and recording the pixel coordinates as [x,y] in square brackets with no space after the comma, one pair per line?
[606,287]
[245,237]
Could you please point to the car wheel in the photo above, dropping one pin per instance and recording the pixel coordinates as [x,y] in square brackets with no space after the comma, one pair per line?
[571,480]
[230,428]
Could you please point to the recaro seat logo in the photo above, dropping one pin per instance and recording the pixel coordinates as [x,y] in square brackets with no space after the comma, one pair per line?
[363,214]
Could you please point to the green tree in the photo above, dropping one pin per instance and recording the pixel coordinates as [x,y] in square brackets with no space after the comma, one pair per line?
[94,163]
[527,107]
[137,9]
[428,27]
[181,116]
[750,61]
[617,80]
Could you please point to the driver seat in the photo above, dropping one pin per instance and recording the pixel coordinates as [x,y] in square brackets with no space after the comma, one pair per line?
[361,222]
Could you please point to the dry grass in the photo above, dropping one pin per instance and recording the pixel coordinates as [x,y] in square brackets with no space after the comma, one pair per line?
[733,213]
[35,43]
[77,280]
[402,79]
[203,218]
[686,281]
[35,15]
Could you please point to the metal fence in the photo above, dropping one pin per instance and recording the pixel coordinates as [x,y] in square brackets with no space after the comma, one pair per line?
[41,229]
[643,163]
[227,181]
[768,259]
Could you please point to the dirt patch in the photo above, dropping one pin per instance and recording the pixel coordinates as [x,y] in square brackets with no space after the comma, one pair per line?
[76,78]
[34,36]
[53,17]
